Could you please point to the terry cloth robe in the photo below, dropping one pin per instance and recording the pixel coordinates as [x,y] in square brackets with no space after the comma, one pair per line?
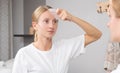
[112,57]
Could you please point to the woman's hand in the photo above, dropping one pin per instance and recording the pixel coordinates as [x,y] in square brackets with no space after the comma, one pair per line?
[63,14]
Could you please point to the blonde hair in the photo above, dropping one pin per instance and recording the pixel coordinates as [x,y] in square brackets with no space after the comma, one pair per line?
[35,16]
[116,7]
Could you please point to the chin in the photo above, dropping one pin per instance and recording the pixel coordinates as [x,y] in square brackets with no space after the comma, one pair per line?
[115,39]
[50,37]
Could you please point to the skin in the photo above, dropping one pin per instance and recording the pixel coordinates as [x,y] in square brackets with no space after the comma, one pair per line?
[113,24]
[46,30]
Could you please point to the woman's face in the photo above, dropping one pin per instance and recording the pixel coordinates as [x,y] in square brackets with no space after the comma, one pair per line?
[114,24]
[47,25]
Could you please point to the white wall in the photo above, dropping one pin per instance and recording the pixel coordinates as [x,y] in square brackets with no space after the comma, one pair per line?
[93,60]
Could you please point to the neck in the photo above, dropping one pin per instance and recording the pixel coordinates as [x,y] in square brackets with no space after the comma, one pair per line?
[43,44]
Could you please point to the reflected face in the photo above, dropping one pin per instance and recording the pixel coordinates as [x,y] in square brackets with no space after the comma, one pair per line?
[114,24]
[47,25]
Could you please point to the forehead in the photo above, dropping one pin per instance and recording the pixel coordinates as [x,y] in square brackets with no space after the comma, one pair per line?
[46,14]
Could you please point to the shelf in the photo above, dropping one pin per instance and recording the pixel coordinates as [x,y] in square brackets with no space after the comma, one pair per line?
[23,35]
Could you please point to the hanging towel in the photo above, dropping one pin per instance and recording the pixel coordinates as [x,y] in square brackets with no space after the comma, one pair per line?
[112,57]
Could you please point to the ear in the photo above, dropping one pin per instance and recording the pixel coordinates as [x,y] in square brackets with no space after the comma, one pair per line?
[34,25]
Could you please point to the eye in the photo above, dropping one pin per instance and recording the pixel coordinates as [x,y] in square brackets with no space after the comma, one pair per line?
[108,5]
[55,21]
[46,21]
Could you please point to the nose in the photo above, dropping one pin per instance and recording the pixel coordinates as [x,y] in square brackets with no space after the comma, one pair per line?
[108,24]
[51,25]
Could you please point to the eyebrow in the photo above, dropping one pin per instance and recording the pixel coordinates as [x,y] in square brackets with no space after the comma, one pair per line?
[49,19]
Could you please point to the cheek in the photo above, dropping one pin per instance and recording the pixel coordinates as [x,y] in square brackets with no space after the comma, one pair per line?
[115,32]
[41,29]
[111,24]
[56,26]
[42,26]
[117,29]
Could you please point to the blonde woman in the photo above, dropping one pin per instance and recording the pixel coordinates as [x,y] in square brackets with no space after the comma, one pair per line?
[45,56]
[114,26]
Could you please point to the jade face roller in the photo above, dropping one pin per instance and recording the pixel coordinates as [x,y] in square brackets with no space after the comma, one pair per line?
[53,11]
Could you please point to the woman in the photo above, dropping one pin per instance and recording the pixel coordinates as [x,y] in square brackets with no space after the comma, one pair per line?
[46,56]
[114,24]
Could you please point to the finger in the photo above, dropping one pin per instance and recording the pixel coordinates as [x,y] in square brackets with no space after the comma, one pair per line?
[63,18]
[60,15]
[58,11]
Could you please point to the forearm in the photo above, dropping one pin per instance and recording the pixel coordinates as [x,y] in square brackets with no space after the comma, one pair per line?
[88,28]
[92,33]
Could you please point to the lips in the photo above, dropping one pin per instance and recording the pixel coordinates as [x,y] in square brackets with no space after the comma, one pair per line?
[51,31]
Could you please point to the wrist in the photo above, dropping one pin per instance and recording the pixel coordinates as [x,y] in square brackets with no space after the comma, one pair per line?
[71,18]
